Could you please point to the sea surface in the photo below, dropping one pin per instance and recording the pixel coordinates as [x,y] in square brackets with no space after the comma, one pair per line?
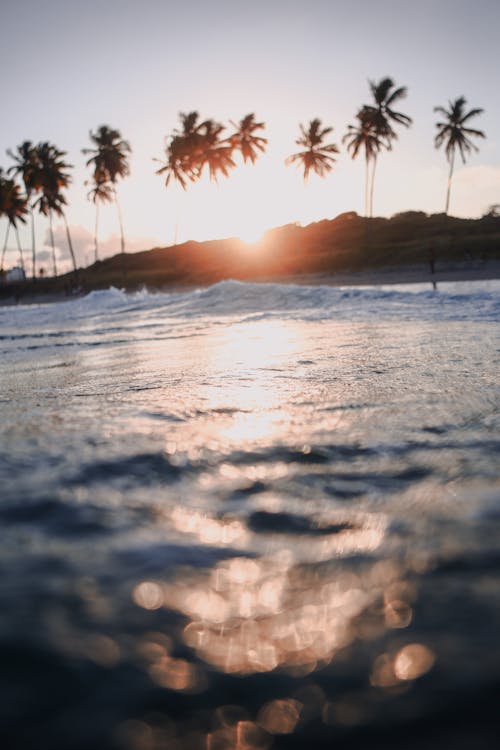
[251,516]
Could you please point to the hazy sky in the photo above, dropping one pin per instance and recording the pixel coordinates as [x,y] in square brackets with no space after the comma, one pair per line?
[69,66]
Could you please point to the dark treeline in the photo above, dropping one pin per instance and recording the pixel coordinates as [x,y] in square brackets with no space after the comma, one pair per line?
[200,146]
[349,243]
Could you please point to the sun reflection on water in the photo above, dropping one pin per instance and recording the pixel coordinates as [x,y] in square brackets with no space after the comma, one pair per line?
[254,398]
[286,598]
[251,615]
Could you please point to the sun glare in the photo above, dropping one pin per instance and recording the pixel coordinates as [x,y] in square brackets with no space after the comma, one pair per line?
[251,235]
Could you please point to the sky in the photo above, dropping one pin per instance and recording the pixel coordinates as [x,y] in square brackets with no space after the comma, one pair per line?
[70,66]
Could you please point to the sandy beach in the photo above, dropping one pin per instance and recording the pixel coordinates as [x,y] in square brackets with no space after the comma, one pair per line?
[397,275]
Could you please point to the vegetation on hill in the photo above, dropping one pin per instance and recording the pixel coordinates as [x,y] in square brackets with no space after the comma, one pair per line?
[345,244]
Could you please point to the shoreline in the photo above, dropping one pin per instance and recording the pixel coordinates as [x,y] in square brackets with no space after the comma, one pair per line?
[387,276]
[395,275]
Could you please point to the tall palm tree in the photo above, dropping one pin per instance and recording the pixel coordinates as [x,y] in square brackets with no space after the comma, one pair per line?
[245,140]
[315,154]
[364,136]
[100,192]
[182,154]
[109,159]
[54,178]
[382,116]
[454,134]
[27,167]
[192,148]
[3,212]
[13,205]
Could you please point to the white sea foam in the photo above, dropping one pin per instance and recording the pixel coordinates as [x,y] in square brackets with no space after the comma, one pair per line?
[478,301]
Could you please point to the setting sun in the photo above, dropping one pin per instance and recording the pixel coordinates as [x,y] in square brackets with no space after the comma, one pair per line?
[251,235]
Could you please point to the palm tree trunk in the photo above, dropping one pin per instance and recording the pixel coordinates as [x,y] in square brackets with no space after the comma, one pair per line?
[96,234]
[5,245]
[372,189]
[450,175]
[33,247]
[367,174]
[21,256]
[120,222]
[53,245]
[122,236]
[70,245]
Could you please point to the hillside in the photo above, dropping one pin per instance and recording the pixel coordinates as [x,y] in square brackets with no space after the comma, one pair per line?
[348,243]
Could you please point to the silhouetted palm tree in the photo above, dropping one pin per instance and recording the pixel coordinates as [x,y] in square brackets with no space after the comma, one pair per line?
[54,178]
[454,134]
[381,115]
[109,158]
[316,155]
[13,205]
[183,152]
[196,146]
[245,140]
[364,136]
[101,192]
[27,166]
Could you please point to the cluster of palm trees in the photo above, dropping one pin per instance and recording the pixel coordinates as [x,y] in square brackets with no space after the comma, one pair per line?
[196,144]
[374,133]
[200,145]
[109,161]
[45,177]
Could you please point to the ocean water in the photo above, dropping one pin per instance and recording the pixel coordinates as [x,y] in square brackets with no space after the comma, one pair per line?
[251,516]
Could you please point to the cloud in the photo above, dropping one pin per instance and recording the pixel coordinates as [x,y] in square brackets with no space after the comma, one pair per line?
[474,189]
[81,240]
[482,177]
[44,256]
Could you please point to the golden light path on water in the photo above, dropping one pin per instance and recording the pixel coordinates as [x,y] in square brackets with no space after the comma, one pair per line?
[286,602]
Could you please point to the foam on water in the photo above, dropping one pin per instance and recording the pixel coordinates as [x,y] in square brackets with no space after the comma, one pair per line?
[451,301]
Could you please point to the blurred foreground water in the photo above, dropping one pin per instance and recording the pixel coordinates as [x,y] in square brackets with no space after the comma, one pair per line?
[253,516]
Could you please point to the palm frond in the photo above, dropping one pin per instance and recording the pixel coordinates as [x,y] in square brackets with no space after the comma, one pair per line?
[452,133]
[315,156]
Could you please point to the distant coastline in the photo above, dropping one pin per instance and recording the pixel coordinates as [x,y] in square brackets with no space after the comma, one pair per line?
[347,251]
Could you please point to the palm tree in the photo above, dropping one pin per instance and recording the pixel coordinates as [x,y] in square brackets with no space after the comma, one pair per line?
[109,158]
[316,155]
[13,205]
[192,148]
[381,115]
[27,166]
[364,136]
[101,192]
[54,178]
[181,152]
[455,135]
[245,140]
